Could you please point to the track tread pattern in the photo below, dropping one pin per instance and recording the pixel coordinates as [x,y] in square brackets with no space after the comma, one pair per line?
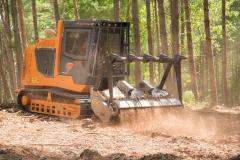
[86,110]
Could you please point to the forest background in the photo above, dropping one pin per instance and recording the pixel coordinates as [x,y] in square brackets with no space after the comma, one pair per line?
[204,31]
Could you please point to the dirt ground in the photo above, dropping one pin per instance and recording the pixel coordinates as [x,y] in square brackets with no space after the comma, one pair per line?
[167,134]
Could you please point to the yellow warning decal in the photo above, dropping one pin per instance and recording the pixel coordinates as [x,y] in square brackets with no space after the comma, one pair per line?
[35,80]
[94,101]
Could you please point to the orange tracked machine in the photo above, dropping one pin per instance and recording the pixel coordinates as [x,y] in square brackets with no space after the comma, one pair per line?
[80,72]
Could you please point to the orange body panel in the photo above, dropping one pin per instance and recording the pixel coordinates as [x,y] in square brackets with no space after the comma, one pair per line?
[55,108]
[30,75]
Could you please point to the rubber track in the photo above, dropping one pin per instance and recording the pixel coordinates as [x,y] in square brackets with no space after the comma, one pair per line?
[86,110]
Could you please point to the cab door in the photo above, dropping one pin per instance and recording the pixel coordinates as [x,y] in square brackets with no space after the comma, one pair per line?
[76,51]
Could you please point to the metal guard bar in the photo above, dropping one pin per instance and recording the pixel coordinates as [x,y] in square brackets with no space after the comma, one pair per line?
[162,58]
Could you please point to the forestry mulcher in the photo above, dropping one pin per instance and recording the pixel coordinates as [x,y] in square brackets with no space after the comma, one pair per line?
[79,72]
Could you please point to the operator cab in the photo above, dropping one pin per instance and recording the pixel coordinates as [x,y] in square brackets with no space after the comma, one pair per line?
[86,42]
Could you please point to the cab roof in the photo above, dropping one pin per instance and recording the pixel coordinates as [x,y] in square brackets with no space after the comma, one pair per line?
[94,23]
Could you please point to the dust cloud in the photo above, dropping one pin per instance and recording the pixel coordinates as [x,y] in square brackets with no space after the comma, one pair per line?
[170,121]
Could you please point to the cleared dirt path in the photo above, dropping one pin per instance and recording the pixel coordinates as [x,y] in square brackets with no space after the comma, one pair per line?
[187,134]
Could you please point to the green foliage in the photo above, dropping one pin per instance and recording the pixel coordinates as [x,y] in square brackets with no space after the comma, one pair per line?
[186,79]
[9,101]
[203,104]
[102,9]
[132,75]
[188,97]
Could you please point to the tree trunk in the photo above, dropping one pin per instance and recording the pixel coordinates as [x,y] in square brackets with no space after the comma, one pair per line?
[164,39]
[128,10]
[235,67]
[75,9]
[174,26]
[116,10]
[163,32]
[5,84]
[175,38]
[8,58]
[34,12]
[182,29]
[202,70]
[150,46]
[6,39]
[224,56]
[1,91]
[3,76]
[157,27]
[138,70]
[17,40]
[210,60]
[6,18]
[22,25]
[192,67]
[56,11]
[237,93]
[158,65]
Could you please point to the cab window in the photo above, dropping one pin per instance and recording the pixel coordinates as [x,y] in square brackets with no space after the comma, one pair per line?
[76,43]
